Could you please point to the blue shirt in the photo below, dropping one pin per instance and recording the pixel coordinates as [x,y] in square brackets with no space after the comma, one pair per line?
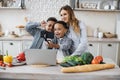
[38,34]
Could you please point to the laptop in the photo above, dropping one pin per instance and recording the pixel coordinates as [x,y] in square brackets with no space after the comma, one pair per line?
[40,56]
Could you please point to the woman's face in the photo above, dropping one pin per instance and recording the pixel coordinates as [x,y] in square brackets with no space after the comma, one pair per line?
[59,30]
[64,16]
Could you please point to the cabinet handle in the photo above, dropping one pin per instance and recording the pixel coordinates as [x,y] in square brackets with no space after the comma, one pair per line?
[109,45]
[11,43]
[90,45]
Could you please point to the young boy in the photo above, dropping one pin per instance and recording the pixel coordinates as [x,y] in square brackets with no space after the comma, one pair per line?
[61,41]
[41,35]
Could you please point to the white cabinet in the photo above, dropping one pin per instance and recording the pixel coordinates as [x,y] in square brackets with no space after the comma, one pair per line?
[13,47]
[110,50]
[106,49]
[1,46]
[26,44]
[93,48]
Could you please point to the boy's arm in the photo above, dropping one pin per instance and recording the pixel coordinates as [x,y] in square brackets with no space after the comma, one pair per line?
[53,45]
[66,45]
[31,27]
[43,24]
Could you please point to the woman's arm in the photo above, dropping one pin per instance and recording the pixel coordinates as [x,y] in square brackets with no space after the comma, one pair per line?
[31,27]
[82,46]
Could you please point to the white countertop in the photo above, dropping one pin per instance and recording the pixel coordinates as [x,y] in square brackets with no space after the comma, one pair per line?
[54,73]
[16,38]
[90,39]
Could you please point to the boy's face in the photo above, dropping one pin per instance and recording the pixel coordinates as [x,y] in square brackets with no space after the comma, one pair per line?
[59,30]
[49,26]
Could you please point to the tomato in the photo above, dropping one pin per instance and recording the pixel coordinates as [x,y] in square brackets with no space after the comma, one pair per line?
[9,64]
[95,61]
[1,61]
[99,58]
[21,57]
[3,65]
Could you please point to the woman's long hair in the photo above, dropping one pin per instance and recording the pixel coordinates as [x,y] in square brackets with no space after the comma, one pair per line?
[73,21]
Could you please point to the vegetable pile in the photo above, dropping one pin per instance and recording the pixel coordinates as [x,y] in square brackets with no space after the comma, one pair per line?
[85,58]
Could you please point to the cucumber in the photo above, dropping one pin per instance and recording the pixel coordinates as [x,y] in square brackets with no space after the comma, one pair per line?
[65,64]
[72,63]
[102,62]
[80,63]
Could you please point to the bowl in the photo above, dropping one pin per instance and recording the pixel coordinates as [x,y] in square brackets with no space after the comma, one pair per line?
[109,35]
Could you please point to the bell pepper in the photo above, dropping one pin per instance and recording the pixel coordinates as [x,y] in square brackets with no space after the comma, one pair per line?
[7,58]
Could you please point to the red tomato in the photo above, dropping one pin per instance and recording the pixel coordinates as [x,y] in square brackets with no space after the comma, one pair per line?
[22,54]
[99,58]
[9,64]
[21,57]
[3,65]
[1,61]
[95,61]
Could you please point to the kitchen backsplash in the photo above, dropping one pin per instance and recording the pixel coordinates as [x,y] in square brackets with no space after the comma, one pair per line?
[38,10]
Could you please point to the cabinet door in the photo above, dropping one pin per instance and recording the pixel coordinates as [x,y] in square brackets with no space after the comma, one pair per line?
[1,46]
[13,47]
[93,48]
[26,44]
[109,50]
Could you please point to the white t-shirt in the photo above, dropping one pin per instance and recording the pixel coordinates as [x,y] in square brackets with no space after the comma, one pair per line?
[60,55]
[44,45]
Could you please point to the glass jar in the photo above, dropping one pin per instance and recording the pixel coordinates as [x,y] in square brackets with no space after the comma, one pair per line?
[95,34]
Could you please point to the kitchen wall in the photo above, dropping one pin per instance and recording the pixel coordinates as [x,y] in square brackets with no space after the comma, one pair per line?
[38,10]
[118,26]
[105,21]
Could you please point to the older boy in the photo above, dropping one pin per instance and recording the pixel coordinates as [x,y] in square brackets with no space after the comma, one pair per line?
[41,35]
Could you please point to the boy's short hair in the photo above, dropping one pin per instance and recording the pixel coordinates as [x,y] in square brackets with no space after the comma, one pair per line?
[52,19]
[63,23]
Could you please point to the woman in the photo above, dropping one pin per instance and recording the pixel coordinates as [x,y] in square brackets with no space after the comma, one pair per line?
[77,30]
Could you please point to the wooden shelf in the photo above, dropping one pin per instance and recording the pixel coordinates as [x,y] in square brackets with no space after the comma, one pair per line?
[96,10]
[10,8]
[10,4]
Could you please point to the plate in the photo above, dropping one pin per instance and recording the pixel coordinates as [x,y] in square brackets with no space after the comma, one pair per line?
[18,63]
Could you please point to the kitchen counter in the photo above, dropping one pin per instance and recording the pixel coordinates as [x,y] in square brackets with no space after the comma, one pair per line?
[16,38]
[54,73]
[91,39]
